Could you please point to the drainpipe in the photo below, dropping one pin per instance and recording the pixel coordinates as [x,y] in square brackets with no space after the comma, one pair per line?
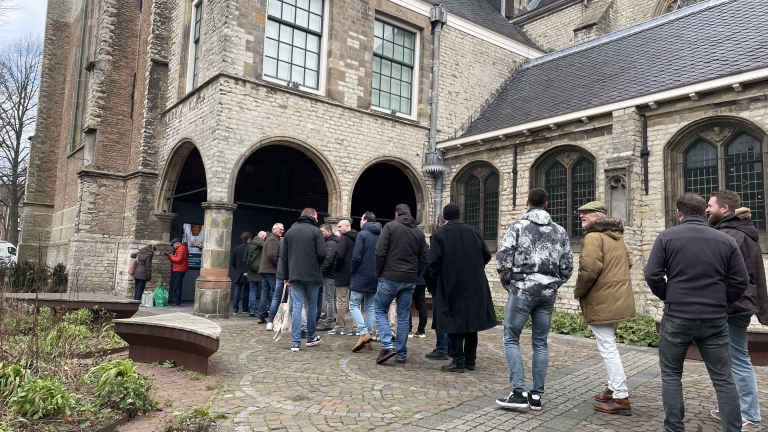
[434,163]
[644,153]
[514,180]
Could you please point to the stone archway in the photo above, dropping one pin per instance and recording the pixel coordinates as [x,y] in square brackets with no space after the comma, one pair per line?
[382,184]
[171,174]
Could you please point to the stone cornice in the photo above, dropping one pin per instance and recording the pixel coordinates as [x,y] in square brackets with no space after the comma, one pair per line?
[36,204]
[219,206]
[117,176]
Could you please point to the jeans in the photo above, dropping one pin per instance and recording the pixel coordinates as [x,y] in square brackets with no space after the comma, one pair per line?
[443,343]
[329,291]
[464,348]
[319,303]
[402,294]
[267,291]
[302,292]
[255,290]
[605,336]
[241,291]
[420,299]
[276,299]
[138,290]
[711,336]
[342,305]
[177,278]
[743,373]
[364,325]
[517,313]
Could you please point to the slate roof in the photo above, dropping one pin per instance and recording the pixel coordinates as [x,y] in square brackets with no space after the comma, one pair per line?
[483,13]
[701,44]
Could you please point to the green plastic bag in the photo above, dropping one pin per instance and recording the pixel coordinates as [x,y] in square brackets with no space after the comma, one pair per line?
[161,296]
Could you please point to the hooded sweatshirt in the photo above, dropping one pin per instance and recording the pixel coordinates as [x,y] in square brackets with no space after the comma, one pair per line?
[363,259]
[534,258]
[401,254]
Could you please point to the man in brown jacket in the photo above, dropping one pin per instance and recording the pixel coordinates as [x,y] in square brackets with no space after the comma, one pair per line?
[604,290]
[726,216]
[268,269]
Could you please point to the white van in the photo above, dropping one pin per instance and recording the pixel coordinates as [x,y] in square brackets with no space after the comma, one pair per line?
[7,253]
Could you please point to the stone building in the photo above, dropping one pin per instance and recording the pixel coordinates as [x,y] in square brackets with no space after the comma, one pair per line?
[235,114]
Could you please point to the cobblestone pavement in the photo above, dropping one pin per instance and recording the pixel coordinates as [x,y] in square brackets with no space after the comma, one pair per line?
[327,387]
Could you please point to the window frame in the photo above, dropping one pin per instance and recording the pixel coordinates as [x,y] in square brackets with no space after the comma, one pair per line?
[416,69]
[323,53]
[194,54]
[482,171]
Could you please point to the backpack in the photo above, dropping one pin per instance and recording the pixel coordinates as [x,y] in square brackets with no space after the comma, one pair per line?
[252,258]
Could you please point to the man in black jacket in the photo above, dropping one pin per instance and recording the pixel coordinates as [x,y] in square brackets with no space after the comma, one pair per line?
[705,273]
[401,256]
[343,278]
[726,216]
[329,275]
[241,279]
[304,249]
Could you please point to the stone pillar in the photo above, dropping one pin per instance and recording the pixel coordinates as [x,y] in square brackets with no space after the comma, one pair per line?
[212,288]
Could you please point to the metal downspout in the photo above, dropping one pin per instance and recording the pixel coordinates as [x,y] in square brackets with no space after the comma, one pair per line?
[433,161]
[645,153]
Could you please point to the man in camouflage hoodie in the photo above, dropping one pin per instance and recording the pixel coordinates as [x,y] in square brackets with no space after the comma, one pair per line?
[533,261]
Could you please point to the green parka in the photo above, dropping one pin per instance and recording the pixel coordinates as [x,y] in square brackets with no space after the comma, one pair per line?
[603,286]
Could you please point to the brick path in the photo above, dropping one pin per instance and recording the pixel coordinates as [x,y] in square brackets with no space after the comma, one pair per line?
[268,387]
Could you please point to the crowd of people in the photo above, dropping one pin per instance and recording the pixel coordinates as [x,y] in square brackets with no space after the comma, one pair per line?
[709,273]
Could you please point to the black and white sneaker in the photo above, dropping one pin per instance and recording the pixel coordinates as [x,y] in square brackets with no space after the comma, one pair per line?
[534,401]
[295,348]
[515,399]
[314,341]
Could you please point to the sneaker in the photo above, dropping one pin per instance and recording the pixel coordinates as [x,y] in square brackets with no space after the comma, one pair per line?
[313,342]
[252,315]
[534,401]
[235,312]
[295,348]
[410,335]
[384,355]
[419,335]
[747,425]
[399,362]
[335,331]
[514,400]
[437,355]
[376,338]
[353,333]
[270,326]
[715,413]
[261,321]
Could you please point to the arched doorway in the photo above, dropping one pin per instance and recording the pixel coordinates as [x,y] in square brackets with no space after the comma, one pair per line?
[380,188]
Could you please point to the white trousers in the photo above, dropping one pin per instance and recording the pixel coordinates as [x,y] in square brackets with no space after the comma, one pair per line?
[605,335]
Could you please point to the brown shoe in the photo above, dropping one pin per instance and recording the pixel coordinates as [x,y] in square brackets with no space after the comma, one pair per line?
[605,396]
[369,345]
[261,321]
[364,339]
[615,406]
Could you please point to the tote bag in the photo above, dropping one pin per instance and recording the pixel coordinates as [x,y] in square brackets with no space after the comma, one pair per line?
[132,267]
[282,322]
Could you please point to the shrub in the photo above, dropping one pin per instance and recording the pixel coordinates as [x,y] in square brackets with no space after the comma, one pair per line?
[120,387]
[198,419]
[12,377]
[641,332]
[80,317]
[41,397]
[28,276]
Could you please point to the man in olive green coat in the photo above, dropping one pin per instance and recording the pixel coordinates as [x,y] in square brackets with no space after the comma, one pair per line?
[604,289]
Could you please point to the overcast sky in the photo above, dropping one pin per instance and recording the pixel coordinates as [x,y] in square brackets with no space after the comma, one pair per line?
[29,18]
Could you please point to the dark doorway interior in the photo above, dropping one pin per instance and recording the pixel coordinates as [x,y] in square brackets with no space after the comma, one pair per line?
[380,189]
[189,196]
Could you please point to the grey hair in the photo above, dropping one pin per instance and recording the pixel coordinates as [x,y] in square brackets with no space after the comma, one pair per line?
[277,225]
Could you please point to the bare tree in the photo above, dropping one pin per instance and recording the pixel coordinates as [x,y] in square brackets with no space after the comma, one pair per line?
[6,6]
[20,63]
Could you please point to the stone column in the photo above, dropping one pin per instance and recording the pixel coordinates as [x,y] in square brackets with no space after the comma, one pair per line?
[212,288]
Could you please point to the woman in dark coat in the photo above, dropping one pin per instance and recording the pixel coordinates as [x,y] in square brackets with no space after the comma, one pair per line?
[462,303]
[143,272]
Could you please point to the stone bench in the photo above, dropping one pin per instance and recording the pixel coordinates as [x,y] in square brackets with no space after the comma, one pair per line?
[757,344]
[185,339]
[120,306]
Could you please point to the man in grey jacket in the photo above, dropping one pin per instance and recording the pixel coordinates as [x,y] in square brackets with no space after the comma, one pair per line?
[698,272]
[533,261]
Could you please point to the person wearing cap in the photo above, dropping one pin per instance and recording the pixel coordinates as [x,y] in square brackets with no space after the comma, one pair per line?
[604,290]
[463,305]
[179,265]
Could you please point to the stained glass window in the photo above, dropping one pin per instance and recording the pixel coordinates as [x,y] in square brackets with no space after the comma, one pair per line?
[292,45]
[744,175]
[393,60]
[701,168]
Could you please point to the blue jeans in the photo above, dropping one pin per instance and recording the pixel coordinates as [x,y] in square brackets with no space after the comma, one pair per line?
[711,336]
[443,343]
[276,299]
[254,292]
[402,293]
[743,373]
[177,278]
[516,315]
[364,325]
[267,290]
[303,292]
[138,289]
[241,291]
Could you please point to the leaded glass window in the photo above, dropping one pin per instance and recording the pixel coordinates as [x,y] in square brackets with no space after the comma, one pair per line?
[679,4]
[701,168]
[491,208]
[292,45]
[197,21]
[744,175]
[476,192]
[569,179]
[557,191]
[472,202]
[393,63]
[583,190]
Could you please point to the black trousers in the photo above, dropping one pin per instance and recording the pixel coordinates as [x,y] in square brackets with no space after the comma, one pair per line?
[464,348]
[420,299]
[177,278]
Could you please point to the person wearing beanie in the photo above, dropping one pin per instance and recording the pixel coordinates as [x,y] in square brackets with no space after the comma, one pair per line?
[462,304]
[179,265]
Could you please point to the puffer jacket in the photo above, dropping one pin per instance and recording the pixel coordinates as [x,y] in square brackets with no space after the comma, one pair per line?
[754,301]
[603,286]
[534,258]
[364,259]
[180,259]
[143,264]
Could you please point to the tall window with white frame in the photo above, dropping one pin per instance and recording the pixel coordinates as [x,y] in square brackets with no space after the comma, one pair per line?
[292,45]
[194,44]
[394,57]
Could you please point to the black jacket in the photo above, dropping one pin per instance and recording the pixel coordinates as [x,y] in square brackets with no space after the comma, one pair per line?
[238,263]
[363,258]
[304,252]
[401,254]
[344,258]
[704,269]
[329,265]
